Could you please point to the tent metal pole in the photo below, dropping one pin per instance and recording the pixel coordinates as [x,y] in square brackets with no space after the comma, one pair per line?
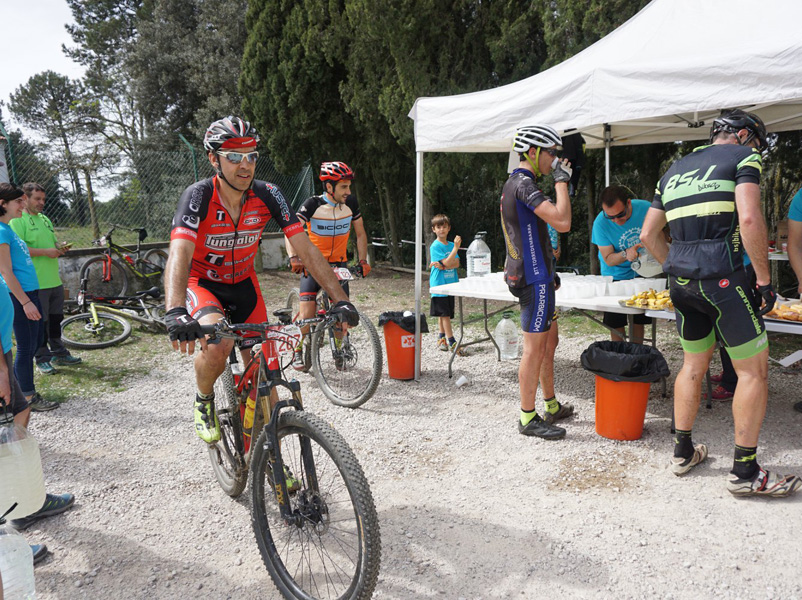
[418,256]
[607,140]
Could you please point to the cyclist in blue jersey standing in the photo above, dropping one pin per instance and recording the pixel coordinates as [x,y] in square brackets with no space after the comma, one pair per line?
[711,199]
[529,266]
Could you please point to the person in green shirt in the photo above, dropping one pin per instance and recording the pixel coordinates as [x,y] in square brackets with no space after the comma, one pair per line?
[36,230]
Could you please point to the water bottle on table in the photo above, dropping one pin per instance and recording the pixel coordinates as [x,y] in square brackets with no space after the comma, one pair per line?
[478,256]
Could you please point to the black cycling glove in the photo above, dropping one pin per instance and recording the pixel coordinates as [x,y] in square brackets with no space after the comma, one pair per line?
[180,326]
[769,297]
[346,312]
[562,173]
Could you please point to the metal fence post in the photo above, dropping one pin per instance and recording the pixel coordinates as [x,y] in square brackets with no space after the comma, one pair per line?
[10,147]
[192,152]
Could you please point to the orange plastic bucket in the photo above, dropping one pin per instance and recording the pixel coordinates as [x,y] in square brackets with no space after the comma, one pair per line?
[621,408]
[400,347]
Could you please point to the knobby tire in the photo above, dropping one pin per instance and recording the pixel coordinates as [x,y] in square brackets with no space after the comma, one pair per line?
[92,270]
[227,462]
[79,331]
[335,549]
[356,382]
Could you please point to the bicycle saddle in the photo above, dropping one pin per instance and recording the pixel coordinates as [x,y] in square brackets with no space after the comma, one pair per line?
[284,315]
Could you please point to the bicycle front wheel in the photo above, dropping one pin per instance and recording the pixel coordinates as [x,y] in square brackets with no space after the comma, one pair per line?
[115,283]
[81,331]
[347,369]
[226,455]
[332,546]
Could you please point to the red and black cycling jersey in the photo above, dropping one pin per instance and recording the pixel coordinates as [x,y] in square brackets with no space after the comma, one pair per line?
[329,224]
[225,250]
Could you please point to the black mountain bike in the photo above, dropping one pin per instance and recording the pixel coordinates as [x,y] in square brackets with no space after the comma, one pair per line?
[109,276]
[311,507]
[347,367]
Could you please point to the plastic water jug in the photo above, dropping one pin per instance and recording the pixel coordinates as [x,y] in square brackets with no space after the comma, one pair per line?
[20,470]
[478,256]
[16,565]
[646,265]
[506,335]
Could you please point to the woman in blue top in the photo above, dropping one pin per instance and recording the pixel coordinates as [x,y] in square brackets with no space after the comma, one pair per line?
[16,269]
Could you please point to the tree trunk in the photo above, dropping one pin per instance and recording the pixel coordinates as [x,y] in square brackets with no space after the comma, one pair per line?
[391,234]
[593,254]
[90,202]
[78,207]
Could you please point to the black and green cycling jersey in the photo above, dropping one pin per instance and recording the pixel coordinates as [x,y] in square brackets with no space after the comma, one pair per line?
[698,196]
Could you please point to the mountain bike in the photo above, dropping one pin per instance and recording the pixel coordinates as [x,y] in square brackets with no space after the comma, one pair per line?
[109,276]
[103,321]
[311,507]
[347,367]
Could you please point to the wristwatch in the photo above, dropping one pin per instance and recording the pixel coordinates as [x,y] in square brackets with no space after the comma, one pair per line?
[624,253]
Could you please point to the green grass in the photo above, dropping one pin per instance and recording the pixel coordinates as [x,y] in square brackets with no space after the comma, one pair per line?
[102,371]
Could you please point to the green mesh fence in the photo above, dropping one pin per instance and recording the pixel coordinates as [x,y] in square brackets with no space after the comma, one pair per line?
[143,192]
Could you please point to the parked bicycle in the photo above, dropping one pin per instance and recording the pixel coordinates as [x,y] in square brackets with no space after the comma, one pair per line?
[347,367]
[103,321]
[311,507]
[109,276]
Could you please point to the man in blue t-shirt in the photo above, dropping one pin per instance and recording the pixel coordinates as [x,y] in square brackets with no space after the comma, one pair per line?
[795,238]
[443,265]
[616,231]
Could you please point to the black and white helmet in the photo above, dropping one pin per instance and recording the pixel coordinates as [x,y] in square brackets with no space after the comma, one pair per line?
[230,133]
[535,135]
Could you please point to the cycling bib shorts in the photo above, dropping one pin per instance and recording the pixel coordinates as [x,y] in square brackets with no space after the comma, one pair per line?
[243,301]
[700,305]
[310,287]
[537,306]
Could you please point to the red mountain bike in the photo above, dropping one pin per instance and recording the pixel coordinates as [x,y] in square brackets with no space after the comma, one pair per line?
[311,507]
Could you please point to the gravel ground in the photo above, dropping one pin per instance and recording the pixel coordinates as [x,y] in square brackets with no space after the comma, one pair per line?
[468,508]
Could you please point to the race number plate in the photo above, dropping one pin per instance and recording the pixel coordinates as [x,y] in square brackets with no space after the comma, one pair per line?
[343,274]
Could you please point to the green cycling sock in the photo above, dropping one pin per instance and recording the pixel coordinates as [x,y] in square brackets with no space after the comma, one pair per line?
[552,405]
[527,416]
[745,462]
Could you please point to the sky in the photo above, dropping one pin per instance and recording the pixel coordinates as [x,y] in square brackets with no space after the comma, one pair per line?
[33,32]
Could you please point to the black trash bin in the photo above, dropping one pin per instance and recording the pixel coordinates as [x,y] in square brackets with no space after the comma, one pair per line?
[399,340]
[624,373]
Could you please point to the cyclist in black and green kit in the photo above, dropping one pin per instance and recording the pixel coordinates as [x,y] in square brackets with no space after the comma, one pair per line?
[711,199]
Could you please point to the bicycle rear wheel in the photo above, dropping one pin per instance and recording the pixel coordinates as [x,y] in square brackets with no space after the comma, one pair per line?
[117,283]
[347,370]
[226,455]
[154,261]
[81,331]
[333,547]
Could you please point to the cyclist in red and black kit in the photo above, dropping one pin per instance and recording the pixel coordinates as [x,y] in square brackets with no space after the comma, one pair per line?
[328,219]
[214,239]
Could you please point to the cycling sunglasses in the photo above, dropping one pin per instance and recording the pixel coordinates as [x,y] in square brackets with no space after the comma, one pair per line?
[555,152]
[237,157]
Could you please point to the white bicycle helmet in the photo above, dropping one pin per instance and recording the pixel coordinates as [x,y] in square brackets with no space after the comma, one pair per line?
[535,135]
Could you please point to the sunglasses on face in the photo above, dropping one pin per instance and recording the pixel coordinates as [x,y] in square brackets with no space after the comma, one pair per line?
[620,215]
[553,152]
[237,157]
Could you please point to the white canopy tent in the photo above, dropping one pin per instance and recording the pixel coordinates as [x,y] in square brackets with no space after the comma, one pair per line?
[660,77]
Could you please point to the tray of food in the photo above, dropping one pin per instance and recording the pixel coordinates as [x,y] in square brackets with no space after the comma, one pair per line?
[651,299]
[790,310]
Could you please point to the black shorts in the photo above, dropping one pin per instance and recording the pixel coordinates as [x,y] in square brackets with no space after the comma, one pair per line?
[537,306]
[309,287]
[725,309]
[242,301]
[442,306]
[18,401]
[617,320]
